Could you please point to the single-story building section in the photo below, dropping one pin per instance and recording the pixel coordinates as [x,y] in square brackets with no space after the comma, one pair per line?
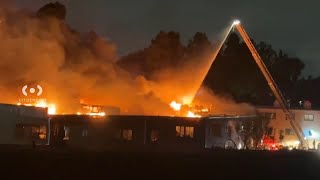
[25,125]
[157,133]
[22,125]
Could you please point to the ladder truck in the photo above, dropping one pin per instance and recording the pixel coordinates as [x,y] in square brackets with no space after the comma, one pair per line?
[273,86]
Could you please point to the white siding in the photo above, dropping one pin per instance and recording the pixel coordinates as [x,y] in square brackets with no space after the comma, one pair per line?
[281,123]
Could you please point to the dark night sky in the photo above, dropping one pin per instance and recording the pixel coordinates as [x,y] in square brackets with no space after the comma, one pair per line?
[287,24]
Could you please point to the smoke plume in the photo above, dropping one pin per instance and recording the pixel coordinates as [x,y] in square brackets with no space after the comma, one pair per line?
[75,67]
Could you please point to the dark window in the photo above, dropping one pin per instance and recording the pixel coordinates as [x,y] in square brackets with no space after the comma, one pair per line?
[281,134]
[154,135]
[269,131]
[85,132]
[66,133]
[216,130]
[273,115]
[289,132]
[19,132]
[292,115]
[126,134]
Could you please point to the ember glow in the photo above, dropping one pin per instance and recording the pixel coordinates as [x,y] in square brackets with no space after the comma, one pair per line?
[205,110]
[191,114]
[97,114]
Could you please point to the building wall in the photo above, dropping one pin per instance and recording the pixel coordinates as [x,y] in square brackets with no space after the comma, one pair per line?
[279,123]
[7,128]
[156,133]
[134,133]
[16,123]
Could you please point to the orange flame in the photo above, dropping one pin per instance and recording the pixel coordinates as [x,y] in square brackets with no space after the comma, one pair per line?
[175,106]
[191,114]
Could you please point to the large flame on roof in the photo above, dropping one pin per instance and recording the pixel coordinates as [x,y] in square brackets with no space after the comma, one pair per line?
[43,104]
[175,106]
[191,114]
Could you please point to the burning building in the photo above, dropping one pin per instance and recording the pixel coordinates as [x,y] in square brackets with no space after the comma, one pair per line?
[22,125]
[39,49]
[71,72]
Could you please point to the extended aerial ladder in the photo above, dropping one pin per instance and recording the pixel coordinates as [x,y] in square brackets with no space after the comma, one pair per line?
[273,86]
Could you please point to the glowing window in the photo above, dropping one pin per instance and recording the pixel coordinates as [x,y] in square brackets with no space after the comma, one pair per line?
[185,131]
[42,132]
[308,117]
[35,132]
[126,134]
[189,132]
[179,131]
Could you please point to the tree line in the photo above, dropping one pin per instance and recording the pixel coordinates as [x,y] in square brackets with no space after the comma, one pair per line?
[234,72]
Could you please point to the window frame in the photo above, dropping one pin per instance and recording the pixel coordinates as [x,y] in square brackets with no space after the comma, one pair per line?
[154,133]
[185,131]
[126,137]
[217,133]
[307,117]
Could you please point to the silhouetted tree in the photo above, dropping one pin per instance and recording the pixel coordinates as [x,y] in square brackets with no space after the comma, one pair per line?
[198,45]
[234,72]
